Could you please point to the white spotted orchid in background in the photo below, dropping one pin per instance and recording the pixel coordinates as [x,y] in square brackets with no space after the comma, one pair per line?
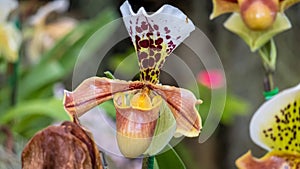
[255,21]
[42,35]
[145,107]
[10,36]
[276,127]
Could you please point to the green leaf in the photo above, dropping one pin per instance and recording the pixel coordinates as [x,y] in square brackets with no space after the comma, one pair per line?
[169,159]
[109,108]
[52,108]
[38,78]
[29,125]
[155,164]
[234,105]
[96,35]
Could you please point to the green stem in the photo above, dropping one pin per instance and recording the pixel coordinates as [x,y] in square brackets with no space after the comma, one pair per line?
[148,162]
[13,73]
[268,55]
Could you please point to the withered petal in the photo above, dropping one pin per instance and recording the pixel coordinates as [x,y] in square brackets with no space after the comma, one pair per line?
[224,6]
[274,159]
[182,104]
[65,146]
[93,91]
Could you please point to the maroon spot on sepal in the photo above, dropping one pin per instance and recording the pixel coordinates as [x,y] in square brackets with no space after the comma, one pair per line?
[144,25]
[167,30]
[157,56]
[151,62]
[158,41]
[144,43]
[145,63]
[151,52]
[138,29]
[142,55]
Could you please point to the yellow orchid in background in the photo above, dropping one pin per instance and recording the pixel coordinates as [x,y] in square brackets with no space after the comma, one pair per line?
[255,21]
[144,108]
[276,127]
[10,36]
[44,35]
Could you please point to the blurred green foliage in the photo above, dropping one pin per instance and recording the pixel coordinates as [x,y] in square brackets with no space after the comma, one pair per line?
[233,107]
[37,107]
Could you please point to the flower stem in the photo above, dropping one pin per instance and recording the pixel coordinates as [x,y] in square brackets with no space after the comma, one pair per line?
[12,73]
[268,55]
[148,162]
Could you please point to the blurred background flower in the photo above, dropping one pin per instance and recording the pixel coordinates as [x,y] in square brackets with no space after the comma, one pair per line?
[10,36]
[275,127]
[42,33]
[212,79]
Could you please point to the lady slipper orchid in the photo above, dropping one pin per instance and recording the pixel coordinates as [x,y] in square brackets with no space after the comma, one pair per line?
[140,104]
[255,21]
[10,36]
[276,127]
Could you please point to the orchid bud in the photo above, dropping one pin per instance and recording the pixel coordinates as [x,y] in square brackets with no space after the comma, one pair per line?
[259,14]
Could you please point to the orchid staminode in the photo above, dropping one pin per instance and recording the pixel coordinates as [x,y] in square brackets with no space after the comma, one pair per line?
[140,104]
[276,127]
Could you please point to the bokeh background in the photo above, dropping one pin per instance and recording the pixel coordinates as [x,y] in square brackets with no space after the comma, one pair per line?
[31,89]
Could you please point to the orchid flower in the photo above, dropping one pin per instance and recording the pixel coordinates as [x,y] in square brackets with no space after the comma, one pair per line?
[255,21]
[276,127]
[10,36]
[44,34]
[140,104]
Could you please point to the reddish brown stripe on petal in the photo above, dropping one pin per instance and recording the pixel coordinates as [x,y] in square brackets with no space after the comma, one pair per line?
[94,91]
[182,104]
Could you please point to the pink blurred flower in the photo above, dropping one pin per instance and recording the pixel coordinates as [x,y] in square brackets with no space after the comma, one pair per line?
[212,79]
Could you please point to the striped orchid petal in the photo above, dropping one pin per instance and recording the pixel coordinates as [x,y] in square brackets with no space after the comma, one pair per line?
[182,104]
[94,91]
